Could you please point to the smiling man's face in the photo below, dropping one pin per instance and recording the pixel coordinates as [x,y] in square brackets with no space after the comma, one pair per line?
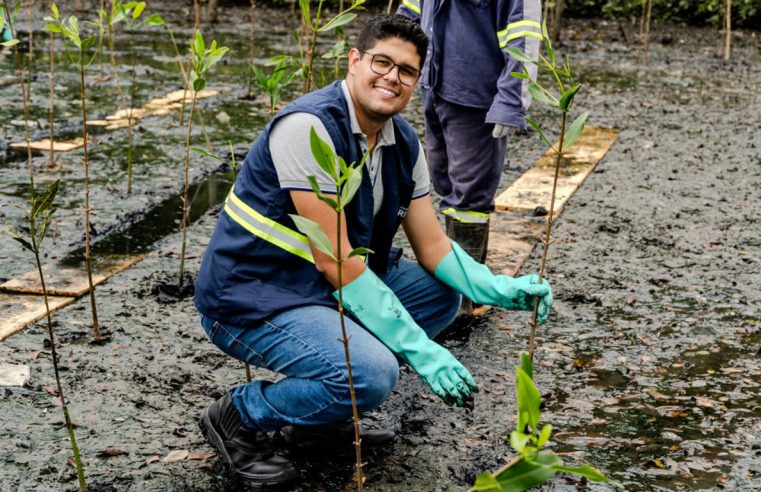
[379,97]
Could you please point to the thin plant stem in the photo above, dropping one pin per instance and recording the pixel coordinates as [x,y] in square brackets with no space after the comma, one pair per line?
[182,70]
[131,109]
[197,11]
[201,120]
[646,35]
[185,191]
[504,468]
[252,14]
[248,373]
[56,371]
[88,260]
[727,29]
[29,5]
[25,93]
[547,233]
[111,53]
[52,99]
[310,51]
[345,340]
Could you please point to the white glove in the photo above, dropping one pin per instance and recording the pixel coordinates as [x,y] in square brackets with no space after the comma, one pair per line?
[500,131]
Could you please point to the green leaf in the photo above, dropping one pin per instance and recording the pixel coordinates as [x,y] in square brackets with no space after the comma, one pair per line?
[199,84]
[199,46]
[529,473]
[44,200]
[520,75]
[12,42]
[154,20]
[529,400]
[336,51]
[485,482]
[566,100]
[315,234]
[533,124]
[323,154]
[338,21]
[518,440]
[583,471]
[317,191]
[360,252]
[304,6]
[349,189]
[26,244]
[139,7]
[574,131]
[74,25]
[517,54]
[52,28]
[205,152]
[544,436]
[54,8]
[89,42]
[527,365]
[538,94]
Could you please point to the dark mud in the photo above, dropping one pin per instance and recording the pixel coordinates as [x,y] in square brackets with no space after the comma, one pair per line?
[650,363]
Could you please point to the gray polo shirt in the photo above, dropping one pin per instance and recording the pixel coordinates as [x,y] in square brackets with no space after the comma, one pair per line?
[293,160]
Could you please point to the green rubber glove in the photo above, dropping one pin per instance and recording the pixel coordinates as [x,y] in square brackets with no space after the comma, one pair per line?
[475,281]
[380,311]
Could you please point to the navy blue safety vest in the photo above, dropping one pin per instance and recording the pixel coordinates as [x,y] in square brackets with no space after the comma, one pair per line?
[257,263]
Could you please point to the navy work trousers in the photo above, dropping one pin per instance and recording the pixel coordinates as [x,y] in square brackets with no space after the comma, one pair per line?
[464,160]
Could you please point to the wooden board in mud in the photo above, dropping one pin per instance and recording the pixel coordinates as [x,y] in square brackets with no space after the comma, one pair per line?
[19,311]
[44,145]
[534,188]
[66,281]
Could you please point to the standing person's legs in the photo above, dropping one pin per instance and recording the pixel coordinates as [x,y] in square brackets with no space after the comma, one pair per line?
[436,147]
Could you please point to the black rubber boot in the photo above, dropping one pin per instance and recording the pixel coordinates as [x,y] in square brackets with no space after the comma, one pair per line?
[474,240]
[247,452]
[337,435]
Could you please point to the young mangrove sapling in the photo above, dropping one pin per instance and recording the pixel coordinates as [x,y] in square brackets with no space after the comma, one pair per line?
[9,15]
[86,50]
[203,59]
[530,467]
[560,98]
[38,219]
[347,179]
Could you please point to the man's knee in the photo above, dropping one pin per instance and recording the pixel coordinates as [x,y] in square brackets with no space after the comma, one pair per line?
[374,384]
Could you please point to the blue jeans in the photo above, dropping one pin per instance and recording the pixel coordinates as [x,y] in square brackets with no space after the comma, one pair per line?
[304,345]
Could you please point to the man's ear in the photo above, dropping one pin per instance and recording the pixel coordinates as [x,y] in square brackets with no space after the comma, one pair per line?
[354,56]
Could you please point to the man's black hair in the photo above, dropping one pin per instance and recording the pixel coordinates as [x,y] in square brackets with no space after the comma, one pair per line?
[386,26]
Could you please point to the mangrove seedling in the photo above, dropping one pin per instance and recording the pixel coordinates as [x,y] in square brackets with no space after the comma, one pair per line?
[347,179]
[531,467]
[157,20]
[203,59]
[130,12]
[273,85]
[314,25]
[561,98]
[84,53]
[8,16]
[112,17]
[38,219]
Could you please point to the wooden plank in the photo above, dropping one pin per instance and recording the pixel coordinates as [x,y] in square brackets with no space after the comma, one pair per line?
[44,145]
[14,374]
[68,281]
[157,106]
[512,238]
[19,311]
[534,188]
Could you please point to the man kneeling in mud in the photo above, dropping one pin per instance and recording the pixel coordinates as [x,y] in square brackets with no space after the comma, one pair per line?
[267,297]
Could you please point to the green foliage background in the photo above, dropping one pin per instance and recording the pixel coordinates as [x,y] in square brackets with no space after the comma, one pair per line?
[745,13]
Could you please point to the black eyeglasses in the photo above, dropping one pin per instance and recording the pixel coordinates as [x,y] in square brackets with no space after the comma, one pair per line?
[382,65]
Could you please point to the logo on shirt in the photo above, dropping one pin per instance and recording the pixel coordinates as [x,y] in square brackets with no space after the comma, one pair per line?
[402,213]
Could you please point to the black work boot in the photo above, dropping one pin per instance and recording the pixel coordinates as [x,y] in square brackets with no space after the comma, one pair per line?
[473,239]
[247,452]
[335,436]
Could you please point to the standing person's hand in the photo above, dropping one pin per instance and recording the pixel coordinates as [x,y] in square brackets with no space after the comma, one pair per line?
[500,131]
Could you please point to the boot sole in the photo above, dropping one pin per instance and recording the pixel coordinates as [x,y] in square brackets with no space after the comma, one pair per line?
[211,435]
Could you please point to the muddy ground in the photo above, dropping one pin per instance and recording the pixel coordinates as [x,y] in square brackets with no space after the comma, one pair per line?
[649,364]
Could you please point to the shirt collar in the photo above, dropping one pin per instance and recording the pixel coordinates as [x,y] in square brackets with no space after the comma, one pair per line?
[386,133]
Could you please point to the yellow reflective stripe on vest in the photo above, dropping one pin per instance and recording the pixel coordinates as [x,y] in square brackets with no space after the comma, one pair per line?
[467,216]
[267,229]
[524,28]
[413,5]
